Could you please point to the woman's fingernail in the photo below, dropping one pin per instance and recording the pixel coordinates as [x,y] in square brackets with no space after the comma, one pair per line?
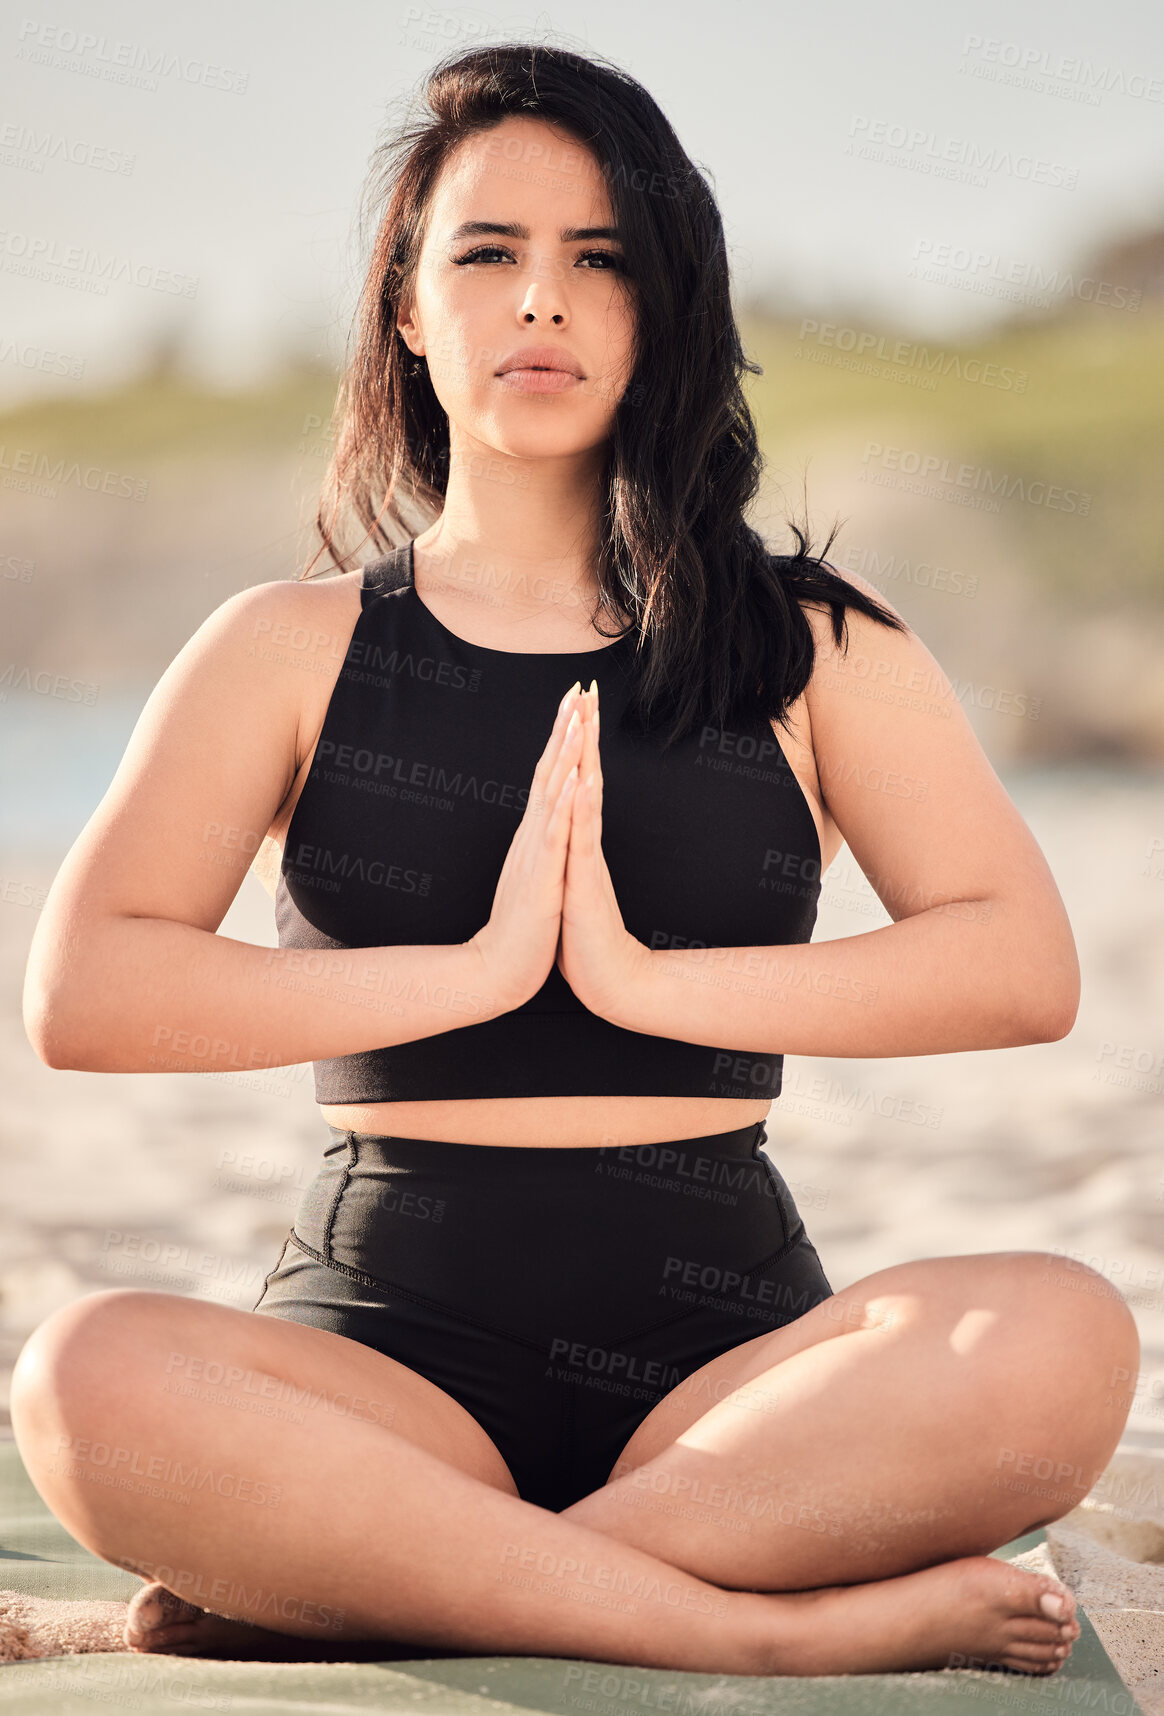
[593,688]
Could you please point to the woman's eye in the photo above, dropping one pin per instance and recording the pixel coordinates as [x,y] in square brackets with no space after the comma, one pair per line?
[481,251]
[619,266]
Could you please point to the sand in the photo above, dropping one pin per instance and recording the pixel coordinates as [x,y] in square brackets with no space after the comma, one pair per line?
[1110,1551]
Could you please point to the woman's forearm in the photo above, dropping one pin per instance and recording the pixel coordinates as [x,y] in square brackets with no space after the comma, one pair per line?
[138,994]
[969,974]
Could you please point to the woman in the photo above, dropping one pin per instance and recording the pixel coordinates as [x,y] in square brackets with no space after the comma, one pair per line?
[567,1376]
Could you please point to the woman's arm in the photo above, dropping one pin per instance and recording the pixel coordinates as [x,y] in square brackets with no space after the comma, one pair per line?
[126,972]
[980,955]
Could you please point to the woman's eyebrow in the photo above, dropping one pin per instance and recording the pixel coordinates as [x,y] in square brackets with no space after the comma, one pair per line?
[512,229]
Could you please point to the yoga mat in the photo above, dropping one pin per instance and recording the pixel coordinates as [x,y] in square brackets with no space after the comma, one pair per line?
[39,1558]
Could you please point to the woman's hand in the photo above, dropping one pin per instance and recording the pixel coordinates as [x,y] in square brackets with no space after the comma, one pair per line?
[518,944]
[597,955]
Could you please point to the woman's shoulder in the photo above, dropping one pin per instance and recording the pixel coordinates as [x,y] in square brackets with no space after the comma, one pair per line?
[860,629]
[292,632]
[281,603]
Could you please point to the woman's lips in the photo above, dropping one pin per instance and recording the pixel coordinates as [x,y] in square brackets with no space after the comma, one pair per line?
[539,380]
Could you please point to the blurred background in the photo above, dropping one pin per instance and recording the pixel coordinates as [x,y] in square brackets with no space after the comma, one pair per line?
[947,236]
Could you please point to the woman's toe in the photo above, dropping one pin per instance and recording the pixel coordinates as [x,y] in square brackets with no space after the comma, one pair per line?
[154,1611]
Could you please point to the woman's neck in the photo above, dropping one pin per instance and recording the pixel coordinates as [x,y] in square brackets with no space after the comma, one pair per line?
[519,534]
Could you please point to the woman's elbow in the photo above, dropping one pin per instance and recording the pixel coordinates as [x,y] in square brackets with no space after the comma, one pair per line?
[1057,1022]
[1058,1007]
[42,1027]
[51,1023]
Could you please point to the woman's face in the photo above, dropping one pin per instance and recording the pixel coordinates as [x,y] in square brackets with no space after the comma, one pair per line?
[550,281]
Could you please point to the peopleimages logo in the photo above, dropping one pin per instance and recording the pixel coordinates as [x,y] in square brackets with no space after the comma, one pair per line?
[29,150]
[933,468]
[988,56]
[41,257]
[985,271]
[924,150]
[863,343]
[131,63]
[871,564]
[45,358]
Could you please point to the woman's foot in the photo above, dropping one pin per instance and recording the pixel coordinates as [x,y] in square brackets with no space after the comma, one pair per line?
[157,1621]
[975,1612]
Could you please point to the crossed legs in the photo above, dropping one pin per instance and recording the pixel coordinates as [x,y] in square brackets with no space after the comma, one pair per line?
[817,1500]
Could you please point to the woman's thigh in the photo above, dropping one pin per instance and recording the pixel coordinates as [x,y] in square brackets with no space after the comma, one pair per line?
[121,1366]
[1038,1332]
[971,1401]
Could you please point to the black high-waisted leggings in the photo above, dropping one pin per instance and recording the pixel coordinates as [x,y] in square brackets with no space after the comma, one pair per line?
[557,1292]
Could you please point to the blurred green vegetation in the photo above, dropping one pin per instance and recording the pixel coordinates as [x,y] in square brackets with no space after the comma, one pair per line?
[1090,417]
[164,414]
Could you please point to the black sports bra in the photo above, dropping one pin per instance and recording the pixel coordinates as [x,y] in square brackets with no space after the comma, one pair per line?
[418,783]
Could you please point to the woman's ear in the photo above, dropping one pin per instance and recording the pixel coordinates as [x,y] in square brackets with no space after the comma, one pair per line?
[409,331]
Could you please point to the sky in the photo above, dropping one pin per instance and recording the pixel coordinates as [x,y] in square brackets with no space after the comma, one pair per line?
[906,163]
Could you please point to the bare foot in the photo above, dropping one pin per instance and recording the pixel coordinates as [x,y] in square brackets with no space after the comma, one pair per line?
[157,1621]
[975,1612]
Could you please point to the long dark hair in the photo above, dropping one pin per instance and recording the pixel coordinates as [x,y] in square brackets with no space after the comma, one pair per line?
[722,637]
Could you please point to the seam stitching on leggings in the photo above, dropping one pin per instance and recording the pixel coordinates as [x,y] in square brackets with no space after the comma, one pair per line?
[341,1188]
[777,1183]
[416,1298]
[271,1271]
[694,1311]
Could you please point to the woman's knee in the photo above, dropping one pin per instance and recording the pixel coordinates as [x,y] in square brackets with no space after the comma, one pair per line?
[1039,1294]
[1053,1336]
[82,1356]
[84,1412]
[1086,1303]
[1062,1314]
